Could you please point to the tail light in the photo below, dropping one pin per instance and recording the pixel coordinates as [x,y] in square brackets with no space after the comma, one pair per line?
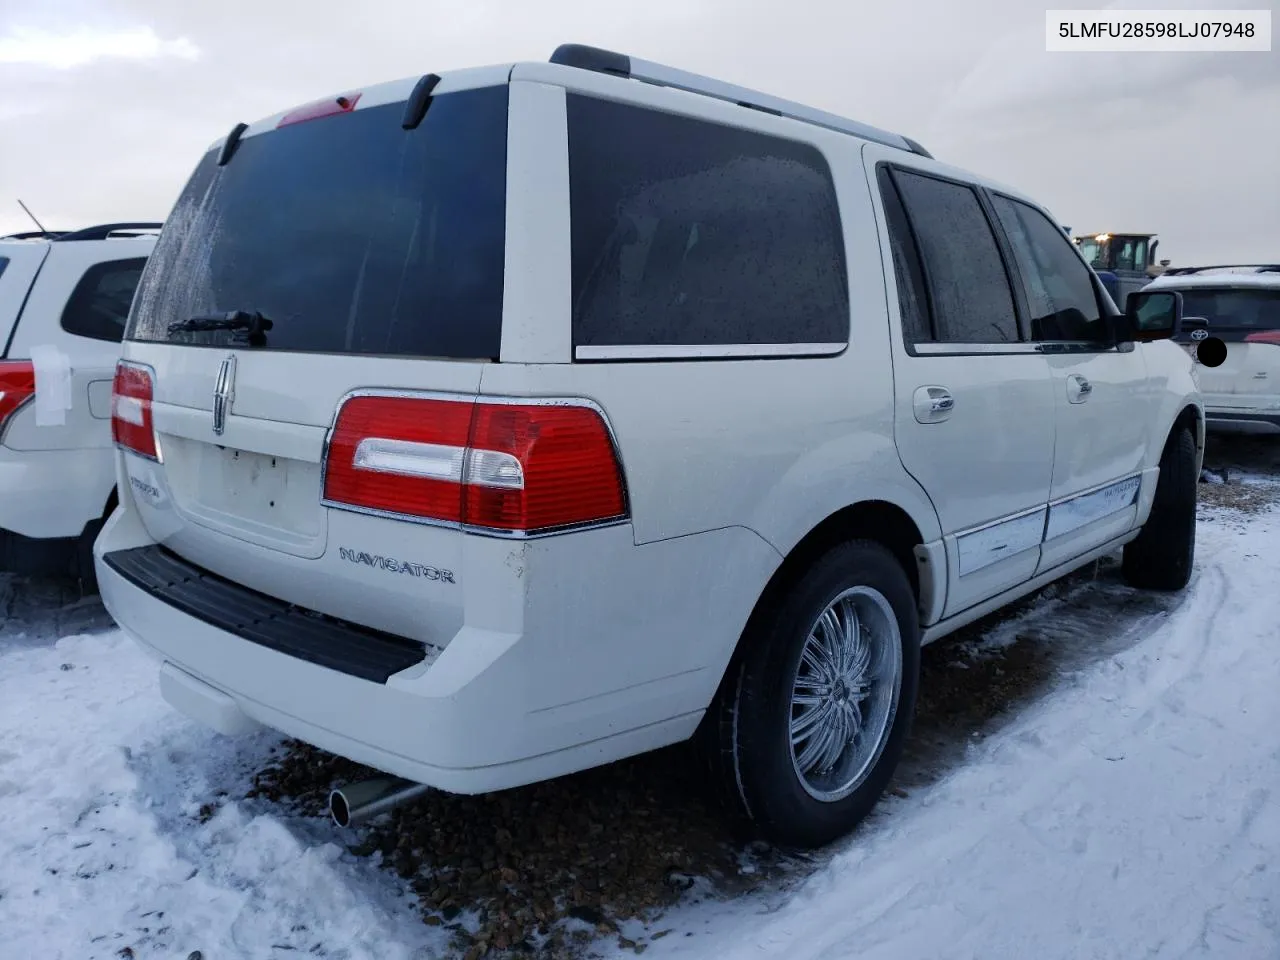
[519,468]
[1264,336]
[131,398]
[17,386]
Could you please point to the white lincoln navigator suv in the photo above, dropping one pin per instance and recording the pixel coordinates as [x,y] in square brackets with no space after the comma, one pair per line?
[491,426]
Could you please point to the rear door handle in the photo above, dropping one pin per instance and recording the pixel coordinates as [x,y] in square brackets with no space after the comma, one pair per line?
[932,404]
[1078,388]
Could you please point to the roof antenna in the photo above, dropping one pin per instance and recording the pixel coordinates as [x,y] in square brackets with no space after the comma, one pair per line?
[32,216]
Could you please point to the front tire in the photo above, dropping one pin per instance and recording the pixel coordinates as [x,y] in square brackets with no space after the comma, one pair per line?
[1161,556]
[811,719]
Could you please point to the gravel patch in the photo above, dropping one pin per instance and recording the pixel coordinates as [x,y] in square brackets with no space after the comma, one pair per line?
[545,870]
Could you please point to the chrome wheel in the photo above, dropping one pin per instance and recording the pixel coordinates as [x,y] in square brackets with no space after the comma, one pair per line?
[845,693]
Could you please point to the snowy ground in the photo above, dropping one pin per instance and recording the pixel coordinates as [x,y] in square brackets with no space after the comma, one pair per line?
[1094,776]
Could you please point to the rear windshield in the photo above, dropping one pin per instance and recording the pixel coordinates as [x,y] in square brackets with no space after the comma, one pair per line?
[349,233]
[1251,309]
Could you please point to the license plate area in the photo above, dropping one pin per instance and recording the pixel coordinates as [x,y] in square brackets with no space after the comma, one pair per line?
[261,497]
[255,485]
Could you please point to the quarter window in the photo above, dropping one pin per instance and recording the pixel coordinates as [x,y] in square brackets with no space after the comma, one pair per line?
[99,305]
[687,233]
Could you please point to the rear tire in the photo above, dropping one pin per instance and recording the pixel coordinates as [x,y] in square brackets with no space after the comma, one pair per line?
[835,662]
[1162,556]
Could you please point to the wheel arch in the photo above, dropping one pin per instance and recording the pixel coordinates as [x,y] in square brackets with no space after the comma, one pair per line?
[1190,417]
[881,521]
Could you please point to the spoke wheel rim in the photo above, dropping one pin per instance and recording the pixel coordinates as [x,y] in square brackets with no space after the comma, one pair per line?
[844,693]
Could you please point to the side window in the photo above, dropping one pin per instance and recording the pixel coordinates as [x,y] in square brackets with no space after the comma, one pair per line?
[967,282]
[1058,286]
[689,233]
[4,262]
[99,305]
[913,303]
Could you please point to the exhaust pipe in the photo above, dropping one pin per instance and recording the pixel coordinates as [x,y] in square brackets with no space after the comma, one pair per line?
[360,801]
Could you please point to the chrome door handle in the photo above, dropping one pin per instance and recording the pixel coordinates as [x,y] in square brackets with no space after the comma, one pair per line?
[932,404]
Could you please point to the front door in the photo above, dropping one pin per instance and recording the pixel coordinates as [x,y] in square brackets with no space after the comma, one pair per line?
[1100,392]
[974,412]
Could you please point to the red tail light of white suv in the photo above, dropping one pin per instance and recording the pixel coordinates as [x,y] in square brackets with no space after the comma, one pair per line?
[512,467]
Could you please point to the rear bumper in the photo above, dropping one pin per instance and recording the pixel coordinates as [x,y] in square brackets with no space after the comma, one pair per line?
[53,494]
[28,557]
[604,668]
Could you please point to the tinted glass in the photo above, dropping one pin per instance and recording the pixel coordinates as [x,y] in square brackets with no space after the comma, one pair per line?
[1243,309]
[692,233]
[351,234]
[972,302]
[1058,286]
[912,300]
[99,305]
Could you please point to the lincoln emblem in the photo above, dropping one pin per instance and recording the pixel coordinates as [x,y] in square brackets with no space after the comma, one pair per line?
[224,394]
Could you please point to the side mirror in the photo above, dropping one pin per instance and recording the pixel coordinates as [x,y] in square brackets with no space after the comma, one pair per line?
[1153,315]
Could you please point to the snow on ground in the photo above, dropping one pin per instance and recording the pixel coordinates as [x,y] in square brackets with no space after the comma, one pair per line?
[101,786]
[1129,812]
[1131,815]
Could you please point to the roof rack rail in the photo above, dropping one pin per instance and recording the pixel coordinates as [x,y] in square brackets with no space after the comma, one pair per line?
[35,235]
[1256,267]
[106,230]
[621,65]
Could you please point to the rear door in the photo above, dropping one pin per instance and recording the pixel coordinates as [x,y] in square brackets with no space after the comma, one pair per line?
[1101,403]
[974,419]
[1246,316]
[377,255]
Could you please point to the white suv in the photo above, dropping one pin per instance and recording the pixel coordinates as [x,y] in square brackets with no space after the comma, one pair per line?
[488,427]
[64,299]
[1239,306]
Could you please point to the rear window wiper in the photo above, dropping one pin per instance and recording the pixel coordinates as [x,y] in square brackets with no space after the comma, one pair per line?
[253,323]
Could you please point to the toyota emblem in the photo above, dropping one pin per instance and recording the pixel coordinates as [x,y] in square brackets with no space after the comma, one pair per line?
[1199,334]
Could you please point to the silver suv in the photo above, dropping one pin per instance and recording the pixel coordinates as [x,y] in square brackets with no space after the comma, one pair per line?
[491,426]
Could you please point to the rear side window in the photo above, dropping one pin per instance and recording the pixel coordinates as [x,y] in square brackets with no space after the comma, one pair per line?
[1058,286]
[1240,308]
[913,302]
[349,233]
[692,234]
[4,262]
[99,305]
[967,282]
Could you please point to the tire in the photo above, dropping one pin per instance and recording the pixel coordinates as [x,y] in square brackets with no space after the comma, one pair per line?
[1162,555]
[746,735]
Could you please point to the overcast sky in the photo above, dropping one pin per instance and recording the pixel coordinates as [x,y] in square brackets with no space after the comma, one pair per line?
[107,104]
